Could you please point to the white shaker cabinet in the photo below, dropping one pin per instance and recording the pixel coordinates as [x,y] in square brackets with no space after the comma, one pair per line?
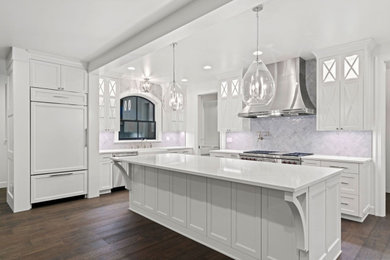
[50,75]
[73,79]
[58,137]
[229,105]
[45,75]
[105,174]
[354,189]
[345,87]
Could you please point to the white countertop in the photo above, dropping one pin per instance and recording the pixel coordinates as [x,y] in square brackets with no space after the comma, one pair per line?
[336,158]
[269,175]
[144,150]
[227,151]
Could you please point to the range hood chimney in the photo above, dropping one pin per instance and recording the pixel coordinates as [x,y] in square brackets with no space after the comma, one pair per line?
[291,96]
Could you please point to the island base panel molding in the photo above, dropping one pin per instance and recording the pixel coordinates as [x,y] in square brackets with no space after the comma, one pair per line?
[285,225]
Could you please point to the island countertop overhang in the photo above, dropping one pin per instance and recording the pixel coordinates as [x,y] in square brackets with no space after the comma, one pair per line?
[289,178]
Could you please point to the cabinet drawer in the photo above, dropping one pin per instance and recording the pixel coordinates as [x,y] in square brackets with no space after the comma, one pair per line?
[349,204]
[347,167]
[349,183]
[59,185]
[55,96]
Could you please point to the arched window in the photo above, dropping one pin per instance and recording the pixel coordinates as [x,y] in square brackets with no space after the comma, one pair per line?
[137,117]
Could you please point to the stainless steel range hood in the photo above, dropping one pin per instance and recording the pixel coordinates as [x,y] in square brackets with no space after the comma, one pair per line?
[291,96]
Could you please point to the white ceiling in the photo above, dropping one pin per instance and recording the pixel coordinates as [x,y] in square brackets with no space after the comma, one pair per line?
[289,28]
[81,29]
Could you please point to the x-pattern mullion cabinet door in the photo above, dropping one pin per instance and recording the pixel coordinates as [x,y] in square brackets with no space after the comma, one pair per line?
[328,96]
[351,91]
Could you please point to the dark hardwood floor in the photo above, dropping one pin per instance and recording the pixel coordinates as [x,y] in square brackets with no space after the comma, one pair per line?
[104,228]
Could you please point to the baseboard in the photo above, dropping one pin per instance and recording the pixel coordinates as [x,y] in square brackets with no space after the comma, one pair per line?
[3,184]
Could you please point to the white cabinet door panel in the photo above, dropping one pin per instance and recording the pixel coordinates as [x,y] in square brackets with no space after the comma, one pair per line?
[58,138]
[150,188]
[138,186]
[59,185]
[105,175]
[351,102]
[163,193]
[73,79]
[246,220]
[45,75]
[219,211]
[197,203]
[179,198]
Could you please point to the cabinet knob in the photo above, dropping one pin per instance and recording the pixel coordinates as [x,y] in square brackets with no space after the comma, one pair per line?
[337,128]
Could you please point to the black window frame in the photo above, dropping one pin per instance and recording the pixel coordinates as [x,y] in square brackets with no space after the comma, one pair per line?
[122,121]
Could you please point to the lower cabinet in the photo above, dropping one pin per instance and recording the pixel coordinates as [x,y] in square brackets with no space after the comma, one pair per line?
[219,213]
[239,220]
[105,175]
[197,204]
[58,185]
[354,187]
[179,198]
[246,219]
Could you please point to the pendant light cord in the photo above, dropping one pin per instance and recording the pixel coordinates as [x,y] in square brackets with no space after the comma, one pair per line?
[174,65]
[257,37]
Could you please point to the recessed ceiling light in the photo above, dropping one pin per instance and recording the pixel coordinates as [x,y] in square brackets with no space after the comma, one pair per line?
[130,68]
[257,53]
[207,67]
[184,80]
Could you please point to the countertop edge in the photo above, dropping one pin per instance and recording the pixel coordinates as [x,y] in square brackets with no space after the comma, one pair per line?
[224,178]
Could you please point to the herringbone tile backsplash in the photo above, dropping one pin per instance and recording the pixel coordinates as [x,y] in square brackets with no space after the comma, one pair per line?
[299,134]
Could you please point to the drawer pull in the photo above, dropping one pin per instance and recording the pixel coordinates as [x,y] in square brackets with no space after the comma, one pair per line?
[61,97]
[345,183]
[61,174]
[343,203]
[340,167]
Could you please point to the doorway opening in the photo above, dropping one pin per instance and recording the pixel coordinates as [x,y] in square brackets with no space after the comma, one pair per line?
[208,137]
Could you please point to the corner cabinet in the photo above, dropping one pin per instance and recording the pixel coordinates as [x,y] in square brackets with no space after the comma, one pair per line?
[345,87]
[229,105]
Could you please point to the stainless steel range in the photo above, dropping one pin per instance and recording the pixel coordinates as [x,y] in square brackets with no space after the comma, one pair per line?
[274,156]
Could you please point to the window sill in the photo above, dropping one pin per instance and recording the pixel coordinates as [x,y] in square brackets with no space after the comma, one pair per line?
[136,141]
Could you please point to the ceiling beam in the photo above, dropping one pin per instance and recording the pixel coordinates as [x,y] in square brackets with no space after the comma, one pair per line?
[191,18]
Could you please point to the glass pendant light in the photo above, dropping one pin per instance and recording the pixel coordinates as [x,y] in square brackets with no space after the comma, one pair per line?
[173,98]
[146,85]
[258,83]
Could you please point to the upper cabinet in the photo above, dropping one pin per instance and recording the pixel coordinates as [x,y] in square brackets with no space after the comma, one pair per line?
[56,76]
[345,87]
[108,101]
[73,79]
[229,105]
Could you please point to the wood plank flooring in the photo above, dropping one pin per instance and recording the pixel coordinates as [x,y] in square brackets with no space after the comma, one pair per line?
[104,228]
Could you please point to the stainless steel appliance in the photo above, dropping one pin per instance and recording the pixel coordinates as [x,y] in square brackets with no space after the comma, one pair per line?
[291,94]
[274,156]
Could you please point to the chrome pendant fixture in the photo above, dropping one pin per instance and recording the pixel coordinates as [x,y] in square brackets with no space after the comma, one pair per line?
[174,98]
[258,83]
[146,85]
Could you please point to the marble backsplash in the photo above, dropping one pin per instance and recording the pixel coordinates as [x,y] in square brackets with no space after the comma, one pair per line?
[106,141]
[299,134]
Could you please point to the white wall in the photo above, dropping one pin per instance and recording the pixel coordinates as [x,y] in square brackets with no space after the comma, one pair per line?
[193,92]
[3,147]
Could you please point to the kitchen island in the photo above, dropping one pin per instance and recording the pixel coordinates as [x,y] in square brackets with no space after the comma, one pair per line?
[244,209]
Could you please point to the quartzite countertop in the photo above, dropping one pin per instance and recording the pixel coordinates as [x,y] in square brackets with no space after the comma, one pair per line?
[269,175]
